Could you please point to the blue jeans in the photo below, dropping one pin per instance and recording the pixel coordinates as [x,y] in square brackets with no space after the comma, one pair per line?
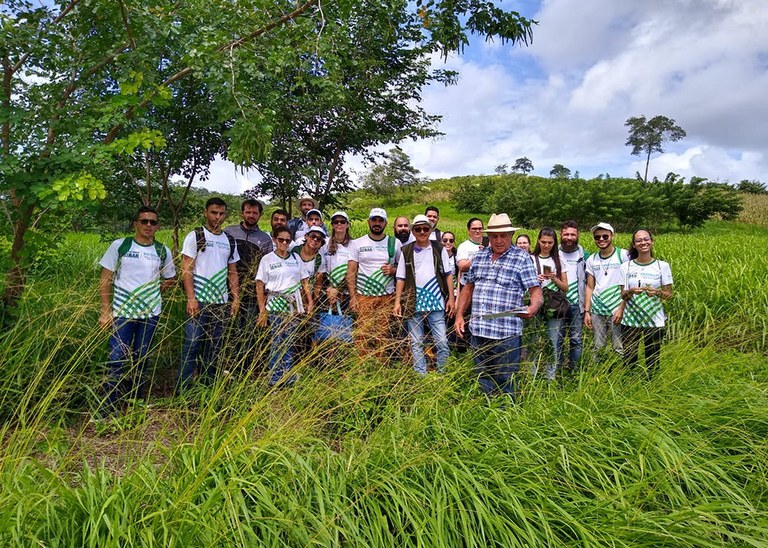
[436,321]
[202,341]
[572,328]
[129,344]
[496,363]
[284,329]
[553,358]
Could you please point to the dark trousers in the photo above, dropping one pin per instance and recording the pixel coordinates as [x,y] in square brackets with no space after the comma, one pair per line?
[651,337]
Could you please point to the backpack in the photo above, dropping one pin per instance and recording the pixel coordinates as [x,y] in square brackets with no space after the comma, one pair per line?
[200,238]
[125,247]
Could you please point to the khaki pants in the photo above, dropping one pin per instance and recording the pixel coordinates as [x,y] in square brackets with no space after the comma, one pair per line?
[372,328]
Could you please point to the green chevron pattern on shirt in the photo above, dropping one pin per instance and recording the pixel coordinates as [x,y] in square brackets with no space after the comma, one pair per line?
[137,304]
[573,292]
[213,289]
[339,274]
[374,285]
[550,285]
[283,303]
[606,302]
[641,310]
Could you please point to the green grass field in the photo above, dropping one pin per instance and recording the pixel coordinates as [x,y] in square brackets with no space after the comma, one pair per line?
[360,455]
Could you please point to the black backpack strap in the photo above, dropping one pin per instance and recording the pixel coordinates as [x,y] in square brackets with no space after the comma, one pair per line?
[200,238]
[232,245]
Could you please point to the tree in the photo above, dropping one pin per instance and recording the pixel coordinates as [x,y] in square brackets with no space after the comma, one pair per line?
[648,136]
[751,187]
[522,165]
[79,76]
[501,169]
[559,171]
[394,174]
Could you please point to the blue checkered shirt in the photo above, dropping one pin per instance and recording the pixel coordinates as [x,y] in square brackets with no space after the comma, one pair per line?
[499,286]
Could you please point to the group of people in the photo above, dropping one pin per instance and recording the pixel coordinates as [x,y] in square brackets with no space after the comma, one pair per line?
[415,280]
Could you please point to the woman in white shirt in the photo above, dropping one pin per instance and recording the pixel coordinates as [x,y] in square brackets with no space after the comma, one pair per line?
[646,283]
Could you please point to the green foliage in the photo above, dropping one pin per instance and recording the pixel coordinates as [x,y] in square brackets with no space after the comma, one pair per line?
[523,165]
[626,203]
[559,171]
[752,187]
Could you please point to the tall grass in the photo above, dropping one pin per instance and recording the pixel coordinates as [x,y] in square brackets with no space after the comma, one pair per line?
[363,454]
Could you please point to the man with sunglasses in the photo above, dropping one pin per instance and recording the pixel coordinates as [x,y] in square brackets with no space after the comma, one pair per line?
[602,296]
[371,282]
[134,272]
[424,293]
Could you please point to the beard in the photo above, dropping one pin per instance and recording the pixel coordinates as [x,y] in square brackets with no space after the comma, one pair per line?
[402,236]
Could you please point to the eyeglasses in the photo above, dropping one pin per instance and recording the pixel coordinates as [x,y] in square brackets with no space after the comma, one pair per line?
[283,240]
[150,222]
[599,237]
[447,241]
[315,237]
[339,222]
[421,229]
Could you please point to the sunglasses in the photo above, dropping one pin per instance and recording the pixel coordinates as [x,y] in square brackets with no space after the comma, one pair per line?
[421,229]
[447,241]
[315,237]
[599,237]
[283,240]
[339,222]
[150,222]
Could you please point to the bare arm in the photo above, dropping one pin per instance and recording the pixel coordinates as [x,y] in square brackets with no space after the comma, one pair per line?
[464,265]
[261,298]
[234,287]
[588,289]
[105,293]
[399,286]
[307,295]
[352,284]
[187,268]
[465,297]
[450,303]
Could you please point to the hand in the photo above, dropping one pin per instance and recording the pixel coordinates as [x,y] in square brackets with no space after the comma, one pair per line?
[234,307]
[396,309]
[333,294]
[617,317]
[588,320]
[262,320]
[353,303]
[458,325]
[450,308]
[542,278]
[193,307]
[388,269]
[105,319]
[527,315]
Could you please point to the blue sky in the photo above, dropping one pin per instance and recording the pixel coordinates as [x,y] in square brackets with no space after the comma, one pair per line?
[593,64]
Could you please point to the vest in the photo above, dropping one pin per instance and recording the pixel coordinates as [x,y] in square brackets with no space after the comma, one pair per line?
[408,304]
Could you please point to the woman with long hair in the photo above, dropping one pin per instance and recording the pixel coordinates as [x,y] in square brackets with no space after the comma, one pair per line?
[336,261]
[646,283]
[553,279]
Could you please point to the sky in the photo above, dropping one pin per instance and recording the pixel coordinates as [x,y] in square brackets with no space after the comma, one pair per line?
[593,64]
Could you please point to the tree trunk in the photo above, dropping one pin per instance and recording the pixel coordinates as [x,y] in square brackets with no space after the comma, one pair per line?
[15,278]
[647,161]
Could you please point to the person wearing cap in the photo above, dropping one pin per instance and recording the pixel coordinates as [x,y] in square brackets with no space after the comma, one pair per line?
[283,292]
[299,225]
[313,218]
[498,278]
[310,258]
[602,295]
[252,244]
[371,282]
[424,293]
[336,261]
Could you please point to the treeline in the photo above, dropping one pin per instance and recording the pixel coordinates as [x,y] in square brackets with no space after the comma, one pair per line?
[625,203]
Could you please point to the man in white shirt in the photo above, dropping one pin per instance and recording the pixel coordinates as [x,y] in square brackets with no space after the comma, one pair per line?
[371,282]
[134,272]
[208,265]
[424,293]
[572,257]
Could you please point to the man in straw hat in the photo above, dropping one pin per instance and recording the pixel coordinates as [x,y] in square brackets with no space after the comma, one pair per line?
[498,278]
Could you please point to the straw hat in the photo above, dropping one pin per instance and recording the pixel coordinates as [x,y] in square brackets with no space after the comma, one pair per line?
[499,222]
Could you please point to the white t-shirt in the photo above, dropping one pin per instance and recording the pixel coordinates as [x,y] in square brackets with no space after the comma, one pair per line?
[370,256]
[210,273]
[549,262]
[310,268]
[136,283]
[282,282]
[572,262]
[335,266]
[465,252]
[606,295]
[428,295]
[644,310]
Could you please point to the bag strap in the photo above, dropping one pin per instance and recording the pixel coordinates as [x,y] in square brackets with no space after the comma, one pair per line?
[391,248]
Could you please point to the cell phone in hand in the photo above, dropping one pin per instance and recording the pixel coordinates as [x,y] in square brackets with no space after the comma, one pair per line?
[547,269]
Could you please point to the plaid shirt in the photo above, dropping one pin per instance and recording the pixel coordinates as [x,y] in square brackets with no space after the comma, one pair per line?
[499,286]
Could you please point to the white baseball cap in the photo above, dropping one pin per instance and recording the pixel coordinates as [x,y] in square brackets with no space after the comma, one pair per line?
[602,226]
[378,212]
